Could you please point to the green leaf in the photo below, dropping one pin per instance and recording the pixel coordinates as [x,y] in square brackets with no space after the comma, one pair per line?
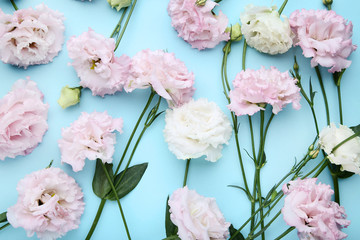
[100,184]
[3,217]
[174,237]
[129,181]
[238,236]
[170,227]
[356,129]
[241,188]
[312,93]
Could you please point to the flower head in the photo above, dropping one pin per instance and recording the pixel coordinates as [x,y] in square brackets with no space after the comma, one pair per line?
[22,119]
[308,207]
[197,24]
[195,129]
[31,36]
[255,88]
[96,65]
[50,203]
[69,96]
[323,36]
[348,154]
[91,137]
[197,217]
[265,31]
[167,75]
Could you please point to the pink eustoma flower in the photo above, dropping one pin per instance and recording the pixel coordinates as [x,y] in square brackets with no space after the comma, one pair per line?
[323,36]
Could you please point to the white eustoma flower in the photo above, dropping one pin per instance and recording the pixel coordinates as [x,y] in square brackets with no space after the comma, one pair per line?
[348,154]
[197,128]
[265,31]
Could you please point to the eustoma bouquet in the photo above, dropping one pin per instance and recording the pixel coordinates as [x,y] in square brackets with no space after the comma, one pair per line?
[258,151]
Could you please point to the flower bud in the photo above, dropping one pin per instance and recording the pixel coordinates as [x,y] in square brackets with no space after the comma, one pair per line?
[327,2]
[119,4]
[311,147]
[296,66]
[69,96]
[200,3]
[314,153]
[235,32]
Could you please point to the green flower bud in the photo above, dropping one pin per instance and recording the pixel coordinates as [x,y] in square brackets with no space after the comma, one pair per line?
[200,3]
[69,96]
[119,4]
[314,153]
[235,32]
[327,2]
[311,147]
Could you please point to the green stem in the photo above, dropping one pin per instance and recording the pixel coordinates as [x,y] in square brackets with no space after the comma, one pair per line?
[152,94]
[325,164]
[244,55]
[110,181]
[263,229]
[324,94]
[4,226]
[259,166]
[285,233]
[254,184]
[314,169]
[146,125]
[336,188]
[282,7]
[340,105]
[186,171]
[96,219]
[118,25]
[241,163]
[252,138]
[126,23]
[14,5]
[344,141]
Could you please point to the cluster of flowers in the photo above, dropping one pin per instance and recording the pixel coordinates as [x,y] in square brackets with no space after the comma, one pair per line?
[50,202]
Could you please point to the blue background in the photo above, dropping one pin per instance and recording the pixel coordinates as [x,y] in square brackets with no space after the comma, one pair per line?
[289,135]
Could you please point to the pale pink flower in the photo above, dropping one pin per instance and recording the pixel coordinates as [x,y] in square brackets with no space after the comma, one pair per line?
[91,137]
[197,217]
[308,208]
[253,89]
[198,25]
[50,203]
[96,64]
[31,36]
[22,119]
[323,36]
[167,75]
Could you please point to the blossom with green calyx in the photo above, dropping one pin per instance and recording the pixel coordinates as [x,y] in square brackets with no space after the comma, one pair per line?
[235,32]
[200,3]
[327,3]
[69,96]
[119,4]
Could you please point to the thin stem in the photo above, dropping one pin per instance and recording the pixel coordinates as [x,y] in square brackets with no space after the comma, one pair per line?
[14,5]
[266,226]
[252,138]
[315,120]
[241,163]
[186,171]
[96,219]
[345,140]
[4,226]
[281,9]
[340,105]
[314,169]
[228,45]
[324,94]
[118,25]
[244,55]
[320,169]
[336,188]
[260,164]
[126,23]
[146,125]
[285,233]
[152,94]
[110,181]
